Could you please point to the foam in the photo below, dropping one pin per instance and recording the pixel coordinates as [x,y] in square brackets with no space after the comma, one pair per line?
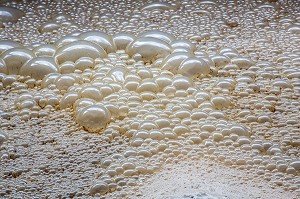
[169,85]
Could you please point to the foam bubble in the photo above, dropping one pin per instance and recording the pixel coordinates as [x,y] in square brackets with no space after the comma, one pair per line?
[10,14]
[100,38]
[38,67]
[194,67]
[74,50]
[159,6]
[14,59]
[93,118]
[149,48]
[122,40]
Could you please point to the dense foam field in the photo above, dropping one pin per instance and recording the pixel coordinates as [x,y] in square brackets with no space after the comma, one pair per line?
[97,97]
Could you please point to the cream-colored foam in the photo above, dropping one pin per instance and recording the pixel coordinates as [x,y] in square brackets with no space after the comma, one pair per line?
[171,80]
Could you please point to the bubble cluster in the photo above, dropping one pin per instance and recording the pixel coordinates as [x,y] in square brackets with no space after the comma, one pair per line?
[173,80]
